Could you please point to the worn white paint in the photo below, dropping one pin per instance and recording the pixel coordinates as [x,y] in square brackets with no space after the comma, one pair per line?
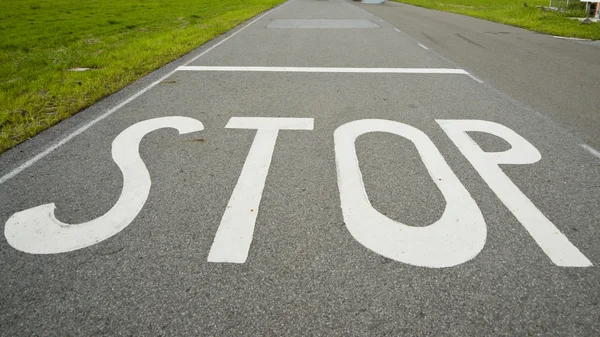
[328,70]
[110,111]
[234,236]
[591,150]
[37,231]
[458,236]
[475,78]
[548,237]
[423,46]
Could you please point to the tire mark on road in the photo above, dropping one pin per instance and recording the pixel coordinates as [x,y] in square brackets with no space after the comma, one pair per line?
[469,40]
[430,38]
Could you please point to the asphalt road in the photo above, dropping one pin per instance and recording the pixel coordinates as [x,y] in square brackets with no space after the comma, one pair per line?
[254,220]
[558,78]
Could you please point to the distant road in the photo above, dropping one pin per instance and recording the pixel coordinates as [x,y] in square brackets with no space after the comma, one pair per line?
[557,77]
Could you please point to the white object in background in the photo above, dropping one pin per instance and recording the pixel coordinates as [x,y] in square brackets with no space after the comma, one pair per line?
[588,4]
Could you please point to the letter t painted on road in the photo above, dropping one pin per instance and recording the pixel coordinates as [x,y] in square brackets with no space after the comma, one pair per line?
[234,236]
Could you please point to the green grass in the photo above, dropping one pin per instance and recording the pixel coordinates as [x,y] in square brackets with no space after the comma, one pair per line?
[514,13]
[120,41]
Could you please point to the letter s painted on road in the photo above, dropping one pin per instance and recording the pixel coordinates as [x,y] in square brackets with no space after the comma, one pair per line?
[37,231]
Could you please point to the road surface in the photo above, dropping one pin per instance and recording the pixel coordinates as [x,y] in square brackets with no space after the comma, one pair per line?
[324,169]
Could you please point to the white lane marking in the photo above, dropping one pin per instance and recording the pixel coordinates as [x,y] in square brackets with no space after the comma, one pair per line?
[37,231]
[88,125]
[474,78]
[554,243]
[234,236]
[438,55]
[441,71]
[591,150]
[570,38]
[457,237]
[328,70]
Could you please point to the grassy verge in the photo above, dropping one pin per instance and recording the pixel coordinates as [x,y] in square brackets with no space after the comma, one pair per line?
[120,41]
[514,13]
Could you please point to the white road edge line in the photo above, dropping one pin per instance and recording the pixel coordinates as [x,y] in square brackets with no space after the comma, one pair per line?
[591,150]
[398,30]
[422,46]
[88,125]
[570,38]
[328,70]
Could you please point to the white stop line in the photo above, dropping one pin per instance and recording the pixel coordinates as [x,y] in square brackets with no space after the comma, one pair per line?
[457,237]
[437,71]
